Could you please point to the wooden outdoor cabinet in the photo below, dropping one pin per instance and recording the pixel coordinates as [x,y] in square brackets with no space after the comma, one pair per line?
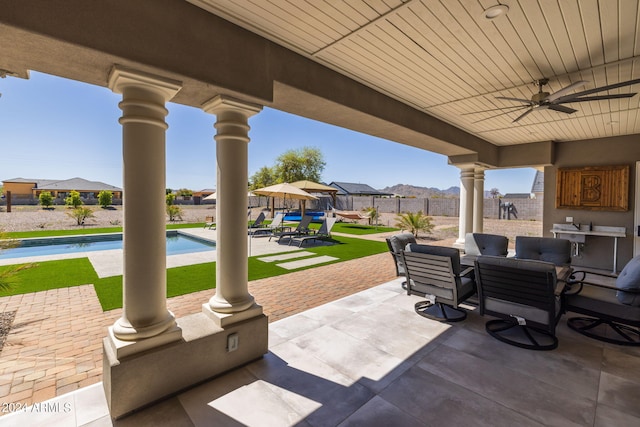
[603,188]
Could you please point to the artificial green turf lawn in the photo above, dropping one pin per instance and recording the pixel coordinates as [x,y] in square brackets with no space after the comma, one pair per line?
[180,280]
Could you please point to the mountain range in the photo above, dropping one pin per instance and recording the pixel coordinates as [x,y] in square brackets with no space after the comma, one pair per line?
[425,192]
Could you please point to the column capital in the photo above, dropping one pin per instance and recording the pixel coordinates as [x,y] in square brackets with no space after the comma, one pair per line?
[123,77]
[222,103]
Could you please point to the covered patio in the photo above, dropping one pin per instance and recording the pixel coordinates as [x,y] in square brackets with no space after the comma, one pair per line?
[413,72]
[368,359]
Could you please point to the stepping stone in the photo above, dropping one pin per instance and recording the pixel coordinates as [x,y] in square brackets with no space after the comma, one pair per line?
[282,257]
[306,262]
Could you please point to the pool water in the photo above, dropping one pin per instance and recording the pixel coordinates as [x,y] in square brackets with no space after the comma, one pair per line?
[177,243]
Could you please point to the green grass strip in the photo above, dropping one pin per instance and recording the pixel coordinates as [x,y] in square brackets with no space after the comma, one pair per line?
[180,280]
[82,231]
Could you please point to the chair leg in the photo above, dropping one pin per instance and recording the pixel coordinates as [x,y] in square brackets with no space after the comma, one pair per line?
[627,335]
[440,312]
[543,342]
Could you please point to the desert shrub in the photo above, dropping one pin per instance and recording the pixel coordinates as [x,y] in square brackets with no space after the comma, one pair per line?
[7,274]
[80,214]
[414,222]
[171,198]
[174,212]
[45,199]
[73,199]
[105,198]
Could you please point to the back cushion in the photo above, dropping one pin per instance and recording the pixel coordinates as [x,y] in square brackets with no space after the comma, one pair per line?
[452,253]
[557,251]
[629,278]
[400,241]
[491,244]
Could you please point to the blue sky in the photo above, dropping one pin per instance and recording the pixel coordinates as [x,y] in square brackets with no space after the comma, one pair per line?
[54,128]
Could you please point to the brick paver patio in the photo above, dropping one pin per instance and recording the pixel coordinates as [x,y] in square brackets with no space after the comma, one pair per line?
[55,343]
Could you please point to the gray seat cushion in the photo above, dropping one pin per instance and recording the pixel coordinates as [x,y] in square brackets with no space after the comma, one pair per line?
[629,278]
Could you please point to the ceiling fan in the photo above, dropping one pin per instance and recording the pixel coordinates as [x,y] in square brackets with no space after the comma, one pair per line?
[553,101]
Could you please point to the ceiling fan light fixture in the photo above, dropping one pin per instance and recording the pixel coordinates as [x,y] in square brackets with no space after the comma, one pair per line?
[496,11]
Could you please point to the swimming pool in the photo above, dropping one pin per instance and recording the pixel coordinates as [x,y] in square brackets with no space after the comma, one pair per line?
[177,243]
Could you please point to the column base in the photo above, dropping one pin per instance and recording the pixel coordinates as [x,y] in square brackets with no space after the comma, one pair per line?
[459,244]
[123,348]
[225,319]
[124,331]
[133,382]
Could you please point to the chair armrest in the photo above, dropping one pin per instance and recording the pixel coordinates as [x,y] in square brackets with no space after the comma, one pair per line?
[598,285]
[466,271]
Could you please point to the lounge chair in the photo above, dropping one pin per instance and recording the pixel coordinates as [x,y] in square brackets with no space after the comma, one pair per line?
[276,224]
[258,222]
[323,233]
[556,251]
[210,223]
[301,229]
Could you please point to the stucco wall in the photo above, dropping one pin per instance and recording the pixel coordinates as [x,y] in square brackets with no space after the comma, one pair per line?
[597,251]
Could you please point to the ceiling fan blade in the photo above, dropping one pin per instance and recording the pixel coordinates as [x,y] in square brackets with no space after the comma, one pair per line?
[597,98]
[565,90]
[497,115]
[523,114]
[494,109]
[561,108]
[597,89]
[526,101]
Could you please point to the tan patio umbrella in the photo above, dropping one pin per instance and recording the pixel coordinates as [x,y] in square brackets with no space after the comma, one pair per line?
[315,187]
[283,191]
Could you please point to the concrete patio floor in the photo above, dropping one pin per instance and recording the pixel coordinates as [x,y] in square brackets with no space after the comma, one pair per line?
[368,359]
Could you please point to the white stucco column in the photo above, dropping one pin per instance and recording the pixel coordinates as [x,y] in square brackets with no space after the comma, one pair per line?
[232,138]
[143,123]
[467,175]
[478,200]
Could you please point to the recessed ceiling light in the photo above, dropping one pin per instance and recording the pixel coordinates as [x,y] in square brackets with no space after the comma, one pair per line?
[495,11]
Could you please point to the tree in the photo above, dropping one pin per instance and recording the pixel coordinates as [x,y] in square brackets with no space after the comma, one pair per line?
[414,222]
[184,192]
[494,193]
[265,177]
[45,199]
[295,165]
[80,214]
[170,199]
[174,212]
[105,198]
[73,199]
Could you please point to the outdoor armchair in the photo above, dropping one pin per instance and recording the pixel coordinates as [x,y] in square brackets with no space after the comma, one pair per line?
[396,245]
[611,304]
[435,272]
[522,295]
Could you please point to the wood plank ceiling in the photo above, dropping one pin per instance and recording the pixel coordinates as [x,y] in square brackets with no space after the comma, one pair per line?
[445,58]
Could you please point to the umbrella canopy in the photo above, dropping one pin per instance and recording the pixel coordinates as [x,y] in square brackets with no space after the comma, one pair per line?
[314,187]
[284,190]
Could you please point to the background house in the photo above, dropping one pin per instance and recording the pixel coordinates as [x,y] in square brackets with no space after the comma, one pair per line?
[354,189]
[25,190]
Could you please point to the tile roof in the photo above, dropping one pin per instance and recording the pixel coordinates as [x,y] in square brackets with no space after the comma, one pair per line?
[354,189]
[78,184]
